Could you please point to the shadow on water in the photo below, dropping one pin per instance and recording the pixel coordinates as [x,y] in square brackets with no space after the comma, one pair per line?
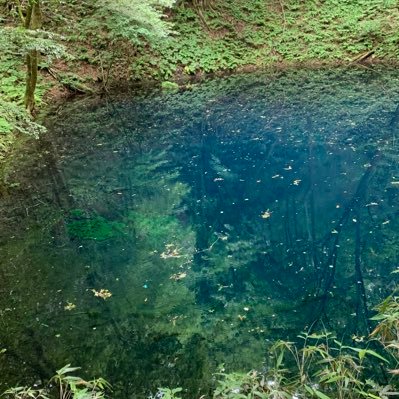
[215,220]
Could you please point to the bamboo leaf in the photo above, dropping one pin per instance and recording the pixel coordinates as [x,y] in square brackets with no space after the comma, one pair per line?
[321,395]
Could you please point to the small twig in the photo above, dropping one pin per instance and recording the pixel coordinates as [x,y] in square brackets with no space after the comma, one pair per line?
[283,12]
[363,56]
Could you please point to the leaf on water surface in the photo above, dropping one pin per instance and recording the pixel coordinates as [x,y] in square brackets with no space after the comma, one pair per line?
[171,251]
[222,287]
[266,214]
[69,306]
[356,338]
[103,293]
[318,336]
[178,276]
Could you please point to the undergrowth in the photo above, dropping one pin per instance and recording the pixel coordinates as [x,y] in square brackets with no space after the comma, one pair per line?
[233,34]
[207,37]
[230,35]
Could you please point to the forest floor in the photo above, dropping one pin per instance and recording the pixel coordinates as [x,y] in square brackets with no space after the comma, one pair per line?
[211,37]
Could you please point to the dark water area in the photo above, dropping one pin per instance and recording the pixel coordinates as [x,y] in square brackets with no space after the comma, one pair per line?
[149,239]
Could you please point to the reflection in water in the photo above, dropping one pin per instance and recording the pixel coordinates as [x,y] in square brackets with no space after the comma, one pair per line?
[151,240]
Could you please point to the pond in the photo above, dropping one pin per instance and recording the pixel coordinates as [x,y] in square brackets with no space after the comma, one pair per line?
[153,238]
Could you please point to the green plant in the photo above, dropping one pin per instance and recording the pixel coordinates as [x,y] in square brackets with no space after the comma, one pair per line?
[387,330]
[324,369]
[169,86]
[167,393]
[25,393]
[76,387]
[67,387]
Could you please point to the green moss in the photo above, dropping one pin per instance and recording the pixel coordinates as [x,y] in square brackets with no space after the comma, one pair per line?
[93,227]
[169,85]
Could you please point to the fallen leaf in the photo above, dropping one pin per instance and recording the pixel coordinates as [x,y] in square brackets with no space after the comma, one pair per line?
[69,306]
[178,276]
[103,293]
[266,214]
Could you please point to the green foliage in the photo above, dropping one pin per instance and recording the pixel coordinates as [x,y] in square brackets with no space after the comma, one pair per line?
[76,387]
[387,330]
[119,18]
[167,393]
[133,20]
[16,40]
[25,393]
[12,79]
[13,117]
[15,43]
[323,368]
[229,35]
[67,387]
[169,86]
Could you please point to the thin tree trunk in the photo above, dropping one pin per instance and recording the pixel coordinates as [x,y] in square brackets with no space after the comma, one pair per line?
[33,20]
[31,80]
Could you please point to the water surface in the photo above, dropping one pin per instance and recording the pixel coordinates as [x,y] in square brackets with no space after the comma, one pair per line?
[219,219]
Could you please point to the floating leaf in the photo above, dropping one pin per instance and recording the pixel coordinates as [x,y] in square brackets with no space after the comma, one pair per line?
[69,306]
[266,214]
[103,293]
[171,251]
[178,276]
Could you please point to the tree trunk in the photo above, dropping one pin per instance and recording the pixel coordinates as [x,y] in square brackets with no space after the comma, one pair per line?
[33,20]
[31,80]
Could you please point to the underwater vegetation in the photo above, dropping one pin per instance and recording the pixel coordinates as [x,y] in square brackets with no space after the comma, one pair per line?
[95,227]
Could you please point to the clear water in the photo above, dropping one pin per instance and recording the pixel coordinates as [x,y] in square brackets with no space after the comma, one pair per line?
[220,218]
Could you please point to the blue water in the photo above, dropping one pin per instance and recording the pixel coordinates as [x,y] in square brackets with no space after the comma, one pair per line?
[151,237]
